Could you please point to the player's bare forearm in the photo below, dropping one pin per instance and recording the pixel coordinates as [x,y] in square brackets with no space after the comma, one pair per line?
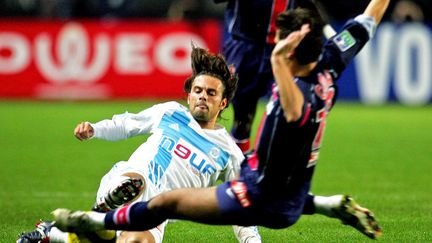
[282,60]
[290,96]
[376,9]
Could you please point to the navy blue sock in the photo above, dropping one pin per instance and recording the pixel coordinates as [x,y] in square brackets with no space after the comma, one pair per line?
[135,217]
[309,206]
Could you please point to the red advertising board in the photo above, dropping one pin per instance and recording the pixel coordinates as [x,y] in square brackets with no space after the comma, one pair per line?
[100,59]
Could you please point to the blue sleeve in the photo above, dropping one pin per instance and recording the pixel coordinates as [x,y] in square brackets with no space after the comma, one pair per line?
[341,49]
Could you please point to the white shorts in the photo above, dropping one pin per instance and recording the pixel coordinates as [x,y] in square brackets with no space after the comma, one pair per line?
[115,176]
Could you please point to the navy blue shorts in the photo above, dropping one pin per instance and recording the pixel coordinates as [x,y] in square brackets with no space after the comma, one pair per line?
[244,202]
[252,64]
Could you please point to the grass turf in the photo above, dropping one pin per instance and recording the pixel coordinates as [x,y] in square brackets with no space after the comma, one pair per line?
[381,155]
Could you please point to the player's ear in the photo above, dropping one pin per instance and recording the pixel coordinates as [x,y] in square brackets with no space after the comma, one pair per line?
[223,103]
[188,97]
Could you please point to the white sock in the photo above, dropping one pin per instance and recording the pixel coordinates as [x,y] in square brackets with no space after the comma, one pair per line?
[324,205]
[57,236]
[97,218]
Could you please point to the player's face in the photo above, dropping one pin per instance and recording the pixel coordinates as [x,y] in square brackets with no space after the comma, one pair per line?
[205,99]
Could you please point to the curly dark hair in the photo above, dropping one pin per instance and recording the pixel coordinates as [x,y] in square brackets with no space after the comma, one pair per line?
[310,47]
[204,62]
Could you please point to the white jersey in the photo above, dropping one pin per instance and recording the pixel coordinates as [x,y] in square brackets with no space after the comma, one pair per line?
[178,153]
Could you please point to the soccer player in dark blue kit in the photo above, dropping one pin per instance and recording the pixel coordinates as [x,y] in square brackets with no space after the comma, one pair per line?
[275,195]
[250,27]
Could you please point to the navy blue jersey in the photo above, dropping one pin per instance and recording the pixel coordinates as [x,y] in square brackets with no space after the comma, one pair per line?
[287,152]
[254,19]
[274,193]
[251,29]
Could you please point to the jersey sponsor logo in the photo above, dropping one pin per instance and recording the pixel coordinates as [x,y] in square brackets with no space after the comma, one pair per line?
[181,140]
[344,40]
[199,164]
[240,191]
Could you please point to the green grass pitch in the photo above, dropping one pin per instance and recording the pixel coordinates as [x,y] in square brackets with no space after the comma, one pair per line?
[381,155]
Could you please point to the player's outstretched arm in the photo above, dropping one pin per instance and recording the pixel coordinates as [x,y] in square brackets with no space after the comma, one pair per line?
[376,9]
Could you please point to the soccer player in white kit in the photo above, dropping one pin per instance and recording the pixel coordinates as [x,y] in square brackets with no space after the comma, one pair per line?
[178,154]
[186,148]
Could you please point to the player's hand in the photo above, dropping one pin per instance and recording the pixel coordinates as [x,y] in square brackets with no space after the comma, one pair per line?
[83,131]
[285,48]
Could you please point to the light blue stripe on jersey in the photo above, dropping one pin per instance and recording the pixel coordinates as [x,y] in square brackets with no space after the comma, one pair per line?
[174,127]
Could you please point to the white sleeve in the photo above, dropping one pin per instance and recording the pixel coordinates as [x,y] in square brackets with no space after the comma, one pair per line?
[368,23]
[125,125]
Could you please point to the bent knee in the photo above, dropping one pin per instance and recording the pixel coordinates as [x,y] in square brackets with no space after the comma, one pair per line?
[137,237]
[139,177]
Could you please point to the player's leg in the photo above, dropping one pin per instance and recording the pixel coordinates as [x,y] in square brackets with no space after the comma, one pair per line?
[121,185]
[245,102]
[197,204]
[124,184]
[347,210]
[244,114]
[228,204]
[132,236]
[114,190]
[246,58]
[154,235]
[40,234]
[194,204]
[238,202]
[47,232]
